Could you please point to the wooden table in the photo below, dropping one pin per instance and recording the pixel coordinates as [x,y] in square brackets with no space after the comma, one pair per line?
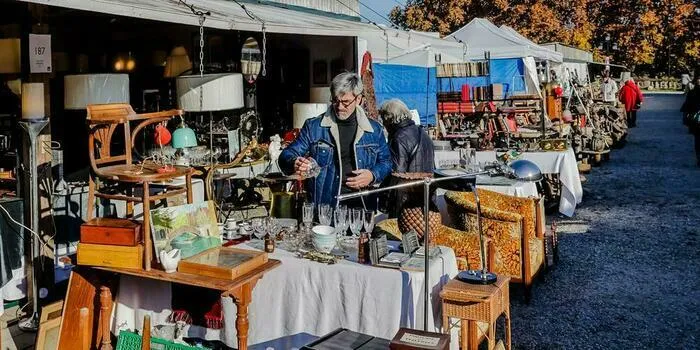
[84,286]
[476,303]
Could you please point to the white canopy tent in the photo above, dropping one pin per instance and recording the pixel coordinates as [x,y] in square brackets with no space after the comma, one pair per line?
[387,43]
[481,35]
[424,57]
[224,15]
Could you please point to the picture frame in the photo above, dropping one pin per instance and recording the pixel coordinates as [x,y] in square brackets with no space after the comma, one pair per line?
[47,336]
[320,72]
[51,311]
[192,228]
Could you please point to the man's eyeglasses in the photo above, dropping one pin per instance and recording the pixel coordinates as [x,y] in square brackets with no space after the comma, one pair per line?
[345,103]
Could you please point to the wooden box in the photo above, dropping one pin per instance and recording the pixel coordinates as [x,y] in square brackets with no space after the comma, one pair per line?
[411,339]
[223,262]
[110,231]
[110,255]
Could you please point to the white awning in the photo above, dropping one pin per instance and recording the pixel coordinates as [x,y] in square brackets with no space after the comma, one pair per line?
[224,15]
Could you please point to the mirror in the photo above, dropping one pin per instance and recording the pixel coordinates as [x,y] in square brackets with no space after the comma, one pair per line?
[250,59]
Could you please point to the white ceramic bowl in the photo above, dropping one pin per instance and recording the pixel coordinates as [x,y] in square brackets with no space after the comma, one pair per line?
[323,238]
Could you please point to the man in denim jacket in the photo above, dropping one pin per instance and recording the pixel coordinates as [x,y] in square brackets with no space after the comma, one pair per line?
[349,148]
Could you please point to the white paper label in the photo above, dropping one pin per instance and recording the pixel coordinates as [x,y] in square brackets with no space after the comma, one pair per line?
[40,53]
[420,340]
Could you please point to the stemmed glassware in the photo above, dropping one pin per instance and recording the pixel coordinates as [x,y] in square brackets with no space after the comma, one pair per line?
[325,214]
[340,220]
[368,221]
[308,214]
[259,227]
[356,221]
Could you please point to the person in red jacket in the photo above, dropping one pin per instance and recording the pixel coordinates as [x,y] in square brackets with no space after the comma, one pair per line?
[632,97]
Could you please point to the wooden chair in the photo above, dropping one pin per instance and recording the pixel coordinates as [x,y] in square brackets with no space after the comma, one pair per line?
[514,227]
[119,178]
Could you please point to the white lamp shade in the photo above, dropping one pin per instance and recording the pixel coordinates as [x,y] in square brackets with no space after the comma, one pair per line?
[304,111]
[10,56]
[320,94]
[87,89]
[33,101]
[218,91]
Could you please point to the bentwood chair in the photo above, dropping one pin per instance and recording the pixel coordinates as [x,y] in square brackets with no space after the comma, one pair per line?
[116,177]
[515,226]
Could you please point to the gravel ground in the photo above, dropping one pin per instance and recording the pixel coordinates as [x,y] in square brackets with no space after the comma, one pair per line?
[632,280]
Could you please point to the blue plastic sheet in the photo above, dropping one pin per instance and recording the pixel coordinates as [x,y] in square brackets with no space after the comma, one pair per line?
[417,86]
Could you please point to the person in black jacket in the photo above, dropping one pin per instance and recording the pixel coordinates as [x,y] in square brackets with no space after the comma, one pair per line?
[411,147]
[689,108]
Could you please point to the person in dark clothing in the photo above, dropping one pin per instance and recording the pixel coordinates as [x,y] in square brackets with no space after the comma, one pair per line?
[689,108]
[411,147]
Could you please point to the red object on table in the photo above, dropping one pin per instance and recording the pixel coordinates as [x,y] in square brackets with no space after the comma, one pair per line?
[162,135]
[465,93]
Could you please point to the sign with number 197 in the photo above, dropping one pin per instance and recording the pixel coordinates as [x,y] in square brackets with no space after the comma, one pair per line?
[40,53]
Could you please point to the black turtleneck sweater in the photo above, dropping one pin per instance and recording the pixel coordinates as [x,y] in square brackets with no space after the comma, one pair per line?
[346,132]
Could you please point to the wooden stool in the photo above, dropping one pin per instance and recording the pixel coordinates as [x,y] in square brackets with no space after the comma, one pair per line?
[476,303]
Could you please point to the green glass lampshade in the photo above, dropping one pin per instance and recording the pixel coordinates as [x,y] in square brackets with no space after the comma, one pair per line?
[184,137]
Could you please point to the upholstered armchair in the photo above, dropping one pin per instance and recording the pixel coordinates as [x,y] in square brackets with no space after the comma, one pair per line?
[464,243]
[514,227]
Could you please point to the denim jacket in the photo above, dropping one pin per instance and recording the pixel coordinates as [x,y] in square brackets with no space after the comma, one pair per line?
[319,140]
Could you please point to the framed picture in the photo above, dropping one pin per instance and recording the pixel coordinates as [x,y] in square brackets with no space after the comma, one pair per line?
[320,72]
[47,337]
[192,228]
[51,311]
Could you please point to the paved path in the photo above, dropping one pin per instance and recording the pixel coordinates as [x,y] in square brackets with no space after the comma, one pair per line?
[632,281]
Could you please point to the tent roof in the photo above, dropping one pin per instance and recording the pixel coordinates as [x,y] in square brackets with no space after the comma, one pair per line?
[481,35]
[423,57]
[224,15]
[402,42]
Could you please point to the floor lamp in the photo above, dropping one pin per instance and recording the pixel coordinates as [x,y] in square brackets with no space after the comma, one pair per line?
[426,183]
[33,122]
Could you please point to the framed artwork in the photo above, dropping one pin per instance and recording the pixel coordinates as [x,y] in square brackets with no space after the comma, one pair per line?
[51,311]
[320,72]
[47,337]
[192,228]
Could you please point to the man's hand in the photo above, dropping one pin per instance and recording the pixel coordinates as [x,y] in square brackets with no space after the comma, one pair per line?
[301,165]
[362,178]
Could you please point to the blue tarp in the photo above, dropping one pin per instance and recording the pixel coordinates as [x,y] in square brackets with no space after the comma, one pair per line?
[417,86]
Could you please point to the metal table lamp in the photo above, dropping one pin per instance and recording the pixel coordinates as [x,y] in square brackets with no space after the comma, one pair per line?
[523,170]
[182,139]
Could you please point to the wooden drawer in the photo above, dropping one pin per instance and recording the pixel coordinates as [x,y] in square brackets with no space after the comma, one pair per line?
[110,231]
[110,255]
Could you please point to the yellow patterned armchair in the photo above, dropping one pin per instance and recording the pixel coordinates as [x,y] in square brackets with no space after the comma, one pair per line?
[464,243]
[514,227]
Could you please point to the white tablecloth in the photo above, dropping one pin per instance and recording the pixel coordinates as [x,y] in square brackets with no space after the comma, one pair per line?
[561,163]
[302,298]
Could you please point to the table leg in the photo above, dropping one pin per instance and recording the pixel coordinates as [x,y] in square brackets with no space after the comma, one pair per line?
[242,296]
[105,313]
[473,335]
[508,331]
[146,227]
[491,336]
[464,333]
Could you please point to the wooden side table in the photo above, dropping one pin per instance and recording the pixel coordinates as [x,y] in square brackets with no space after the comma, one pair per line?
[476,303]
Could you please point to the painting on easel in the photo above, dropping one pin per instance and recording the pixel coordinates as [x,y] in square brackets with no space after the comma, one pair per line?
[191,228]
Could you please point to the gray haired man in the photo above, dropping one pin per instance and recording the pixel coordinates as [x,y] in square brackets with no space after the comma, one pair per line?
[349,148]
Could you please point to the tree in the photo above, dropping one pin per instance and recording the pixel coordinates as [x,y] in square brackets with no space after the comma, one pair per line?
[656,34]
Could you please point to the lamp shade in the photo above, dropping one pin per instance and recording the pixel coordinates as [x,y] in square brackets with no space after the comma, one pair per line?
[304,111]
[33,101]
[218,92]
[86,89]
[184,137]
[177,63]
[10,56]
[320,94]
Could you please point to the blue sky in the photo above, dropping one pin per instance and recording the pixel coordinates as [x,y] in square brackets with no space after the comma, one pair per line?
[381,6]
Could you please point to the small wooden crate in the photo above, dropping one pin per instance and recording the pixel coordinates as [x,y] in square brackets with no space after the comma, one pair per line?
[223,262]
[110,231]
[110,255]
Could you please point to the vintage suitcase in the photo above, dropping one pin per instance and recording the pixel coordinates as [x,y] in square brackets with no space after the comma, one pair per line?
[111,231]
[110,255]
[411,339]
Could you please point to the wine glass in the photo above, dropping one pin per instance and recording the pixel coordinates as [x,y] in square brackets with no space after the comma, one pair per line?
[308,213]
[340,221]
[369,221]
[272,226]
[356,221]
[325,214]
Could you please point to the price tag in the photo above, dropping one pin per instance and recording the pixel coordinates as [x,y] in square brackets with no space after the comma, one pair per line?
[40,53]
